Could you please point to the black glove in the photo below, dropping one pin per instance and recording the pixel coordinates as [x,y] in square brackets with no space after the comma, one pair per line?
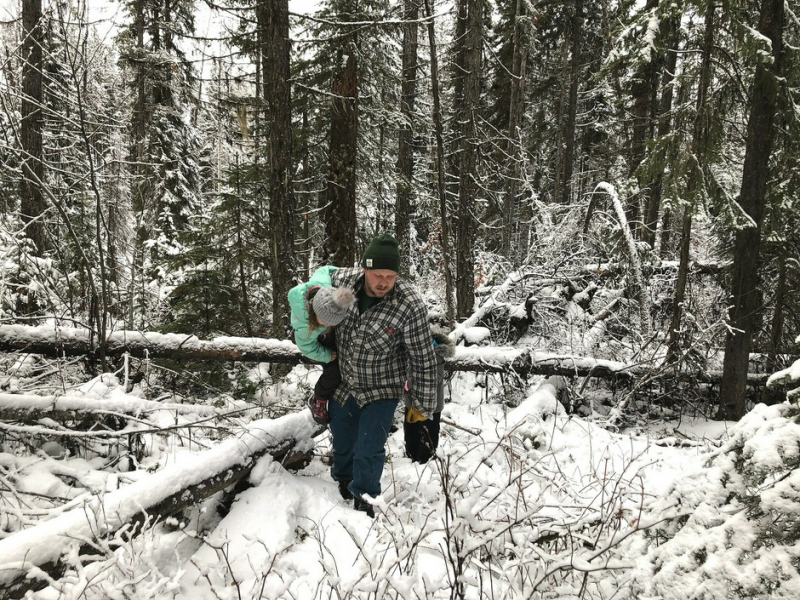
[319,409]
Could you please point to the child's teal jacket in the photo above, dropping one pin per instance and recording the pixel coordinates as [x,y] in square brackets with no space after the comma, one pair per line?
[304,339]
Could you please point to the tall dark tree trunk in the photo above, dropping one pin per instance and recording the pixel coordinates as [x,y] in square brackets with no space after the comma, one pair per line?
[340,217]
[568,157]
[643,90]
[699,137]
[468,188]
[404,207]
[273,17]
[514,146]
[669,62]
[440,165]
[140,189]
[32,198]
[744,299]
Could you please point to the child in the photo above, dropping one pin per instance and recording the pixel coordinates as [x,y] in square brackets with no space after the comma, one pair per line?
[316,308]
[422,435]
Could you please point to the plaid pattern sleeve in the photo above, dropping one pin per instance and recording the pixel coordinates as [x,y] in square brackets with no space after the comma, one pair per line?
[387,345]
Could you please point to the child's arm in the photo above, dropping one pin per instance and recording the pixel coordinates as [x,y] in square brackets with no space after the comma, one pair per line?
[304,339]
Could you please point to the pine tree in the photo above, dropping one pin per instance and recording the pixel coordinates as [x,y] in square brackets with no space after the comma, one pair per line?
[167,185]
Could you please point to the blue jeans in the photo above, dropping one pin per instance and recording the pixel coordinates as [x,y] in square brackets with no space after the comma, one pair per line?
[359,443]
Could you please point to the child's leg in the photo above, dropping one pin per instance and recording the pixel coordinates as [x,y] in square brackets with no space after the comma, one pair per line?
[328,381]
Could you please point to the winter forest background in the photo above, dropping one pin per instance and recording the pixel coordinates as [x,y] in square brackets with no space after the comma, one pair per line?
[597,199]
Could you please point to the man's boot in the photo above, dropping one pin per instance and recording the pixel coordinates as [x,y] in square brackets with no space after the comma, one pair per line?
[364,506]
[345,491]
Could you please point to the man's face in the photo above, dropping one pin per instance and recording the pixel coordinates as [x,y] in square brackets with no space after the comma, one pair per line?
[379,282]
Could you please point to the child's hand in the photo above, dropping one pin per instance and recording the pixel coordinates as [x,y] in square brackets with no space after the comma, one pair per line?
[333,356]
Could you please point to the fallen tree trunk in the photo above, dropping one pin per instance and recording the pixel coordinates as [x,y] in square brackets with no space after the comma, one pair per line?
[28,554]
[65,341]
[50,341]
[29,407]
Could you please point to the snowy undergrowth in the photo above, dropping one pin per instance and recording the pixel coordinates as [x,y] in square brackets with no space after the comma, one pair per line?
[733,528]
[521,502]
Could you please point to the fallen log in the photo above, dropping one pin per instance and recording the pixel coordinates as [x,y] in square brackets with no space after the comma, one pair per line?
[67,341]
[525,362]
[28,554]
[30,407]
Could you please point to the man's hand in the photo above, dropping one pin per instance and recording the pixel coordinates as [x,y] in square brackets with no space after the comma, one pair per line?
[414,416]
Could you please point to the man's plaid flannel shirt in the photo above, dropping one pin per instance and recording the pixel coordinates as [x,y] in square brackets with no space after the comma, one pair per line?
[385,347]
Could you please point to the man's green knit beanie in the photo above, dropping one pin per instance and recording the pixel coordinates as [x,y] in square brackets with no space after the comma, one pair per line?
[383,252]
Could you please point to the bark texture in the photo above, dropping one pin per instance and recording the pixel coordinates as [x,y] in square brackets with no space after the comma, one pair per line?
[32,199]
[745,299]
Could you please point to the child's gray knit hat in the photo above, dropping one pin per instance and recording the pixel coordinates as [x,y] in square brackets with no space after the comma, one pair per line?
[331,304]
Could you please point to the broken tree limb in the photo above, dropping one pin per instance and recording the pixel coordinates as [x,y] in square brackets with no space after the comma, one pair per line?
[164,493]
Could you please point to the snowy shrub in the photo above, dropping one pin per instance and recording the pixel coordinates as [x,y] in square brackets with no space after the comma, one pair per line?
[26,282]
[733,529]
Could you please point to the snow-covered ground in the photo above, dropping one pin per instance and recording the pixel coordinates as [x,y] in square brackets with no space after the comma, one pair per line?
[522,502]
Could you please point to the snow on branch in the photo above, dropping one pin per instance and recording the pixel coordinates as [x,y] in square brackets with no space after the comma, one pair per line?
[29,406]
[636,263]
[488,305]
[63,341]
[789,377]
[39,548]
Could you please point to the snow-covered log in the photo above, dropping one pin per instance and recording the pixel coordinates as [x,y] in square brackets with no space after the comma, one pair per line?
[525,362]
[30,407]
[166,492]
[65,341]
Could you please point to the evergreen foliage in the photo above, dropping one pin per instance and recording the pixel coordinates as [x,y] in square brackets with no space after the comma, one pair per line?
[735,527]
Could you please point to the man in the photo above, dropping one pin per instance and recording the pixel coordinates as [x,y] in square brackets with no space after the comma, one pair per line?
[383,341]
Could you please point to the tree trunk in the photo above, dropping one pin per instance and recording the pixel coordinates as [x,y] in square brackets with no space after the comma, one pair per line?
[340,216]
[744,301]
[440,165]
[576,34]
[468,188]
[699,136]
[670,61]
[32,199]
[558,177]
[404,207]
[140,188]
[642,89]
[514,146]
[63,341]
[674,344]
[306,188]
[160,494]
[273,17]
